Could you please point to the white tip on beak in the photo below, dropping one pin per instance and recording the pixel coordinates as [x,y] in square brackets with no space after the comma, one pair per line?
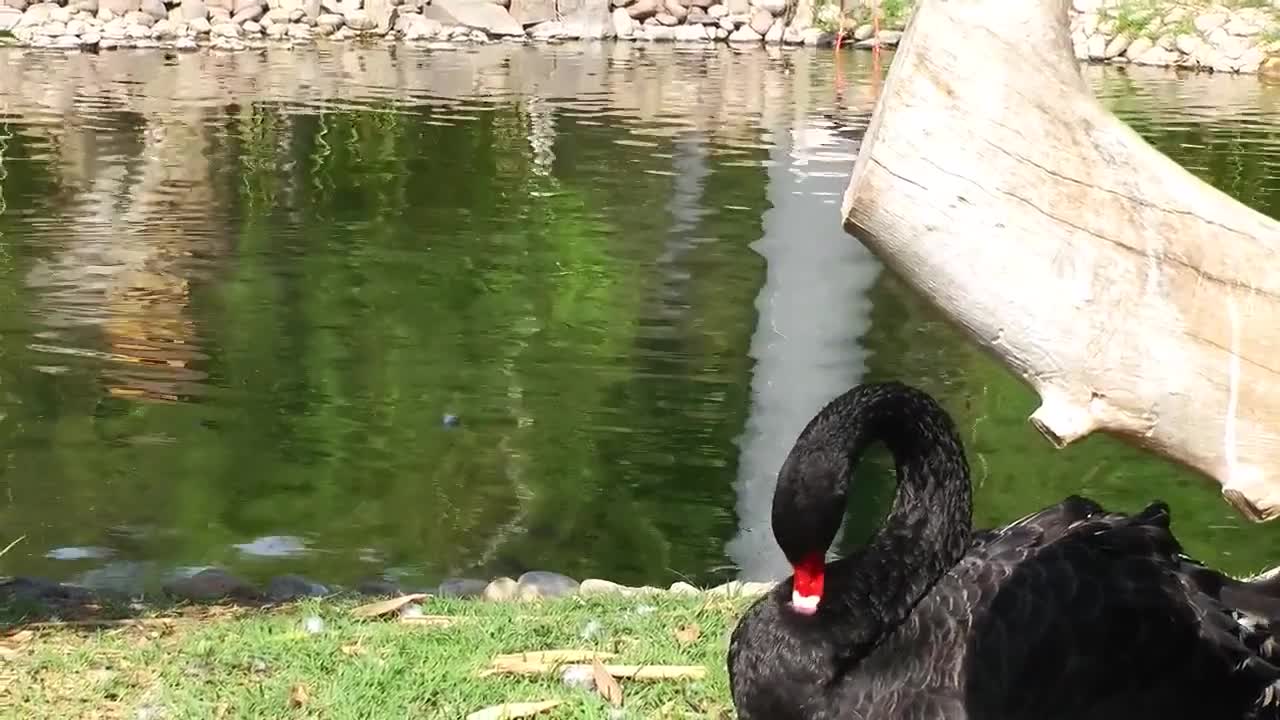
[804,604]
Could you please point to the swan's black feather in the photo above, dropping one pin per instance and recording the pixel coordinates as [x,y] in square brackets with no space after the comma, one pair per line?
[1070,612]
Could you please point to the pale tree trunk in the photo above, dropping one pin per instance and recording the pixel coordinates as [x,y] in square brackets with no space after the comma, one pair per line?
[1135,298]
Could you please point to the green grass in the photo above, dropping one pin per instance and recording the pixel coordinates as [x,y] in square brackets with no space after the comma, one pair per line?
[246,663]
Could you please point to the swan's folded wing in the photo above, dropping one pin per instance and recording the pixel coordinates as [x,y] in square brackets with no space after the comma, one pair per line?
[1101,622]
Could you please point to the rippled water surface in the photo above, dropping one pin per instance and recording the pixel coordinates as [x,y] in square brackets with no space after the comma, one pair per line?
[429,313]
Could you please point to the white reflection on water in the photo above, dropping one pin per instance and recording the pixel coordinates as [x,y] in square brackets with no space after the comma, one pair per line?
[813,309]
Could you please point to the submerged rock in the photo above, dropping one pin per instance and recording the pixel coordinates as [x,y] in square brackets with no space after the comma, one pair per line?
[461,588]
[292,587]
[378,586]
[210,584]
[539,584]
[501,589]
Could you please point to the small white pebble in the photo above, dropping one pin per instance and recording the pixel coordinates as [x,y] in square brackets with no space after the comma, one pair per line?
[591,630]
[313,624]
[578,676]
[411,610]
[645,609]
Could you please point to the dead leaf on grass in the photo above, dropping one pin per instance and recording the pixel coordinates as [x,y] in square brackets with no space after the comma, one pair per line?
[513,710]
[553,656]
[352,649]
[688,634]
[429,620]
[298,696]
[608,688]
[382,607]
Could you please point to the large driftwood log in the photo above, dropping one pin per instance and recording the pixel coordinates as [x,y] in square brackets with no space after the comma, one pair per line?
[1132,296]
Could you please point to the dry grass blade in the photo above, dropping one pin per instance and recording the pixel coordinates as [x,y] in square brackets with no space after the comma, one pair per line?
[429,620]
[634,672]
[513,710]
[554,656]
[382,607]
[20,637]
[298,696]
[9,547]
[122,622]
[608,688]
[688,634]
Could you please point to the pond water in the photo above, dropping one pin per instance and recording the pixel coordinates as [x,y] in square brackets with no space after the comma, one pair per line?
[462,313]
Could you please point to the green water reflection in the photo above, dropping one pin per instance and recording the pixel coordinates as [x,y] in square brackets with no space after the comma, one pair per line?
[230,329]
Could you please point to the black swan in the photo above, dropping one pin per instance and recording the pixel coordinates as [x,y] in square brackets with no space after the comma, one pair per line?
[1071,612]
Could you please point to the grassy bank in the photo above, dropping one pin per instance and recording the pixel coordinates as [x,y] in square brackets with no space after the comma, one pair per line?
[281,662]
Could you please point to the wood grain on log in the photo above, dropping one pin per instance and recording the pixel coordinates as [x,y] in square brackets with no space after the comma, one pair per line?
[1134,298]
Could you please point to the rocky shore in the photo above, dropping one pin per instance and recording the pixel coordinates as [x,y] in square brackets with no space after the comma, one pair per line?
[1213,37]
[216,585]
[1239,37]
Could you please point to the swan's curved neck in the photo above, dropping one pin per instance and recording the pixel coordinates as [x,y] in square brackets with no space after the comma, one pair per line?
[928,527]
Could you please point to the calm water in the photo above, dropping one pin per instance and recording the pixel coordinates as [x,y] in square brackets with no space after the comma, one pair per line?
[239,295]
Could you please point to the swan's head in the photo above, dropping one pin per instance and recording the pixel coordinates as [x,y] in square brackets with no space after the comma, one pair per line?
[808,505]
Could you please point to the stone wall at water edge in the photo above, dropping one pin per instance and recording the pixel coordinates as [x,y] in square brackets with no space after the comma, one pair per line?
[1241,36]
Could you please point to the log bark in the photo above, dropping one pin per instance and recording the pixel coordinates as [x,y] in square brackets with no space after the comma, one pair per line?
[1133,297]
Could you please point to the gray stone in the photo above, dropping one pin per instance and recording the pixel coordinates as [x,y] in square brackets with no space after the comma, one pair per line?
[1096,48]
[492,19]
[551,30]
[76,26]
[659,33]
[1138,47]
[675,9]
[372,586]
[537,584]
[532,12]
[277,31]
[774,36]
[682,588]
[230,30]
[53,29]
[192,9]
[250,11]
[37,15]
[252,27]
[38,590]
[737,588]
[137,17]
[208,585]
[761,20]
[691,33]
[745,34]
[1156,56]
[623,26]
[1209,22]
[200,26]
[90,39]
[329,22]
[382,13]
[643,9]
[291,587]
[163,30]
[586,19]
[225,42]
[18,5]
[154,8]
[359,20]
[593,587]
[501,589]
[1117,46]
[186,44]
[9,20]
[718,11]
[666,19]
[461,588]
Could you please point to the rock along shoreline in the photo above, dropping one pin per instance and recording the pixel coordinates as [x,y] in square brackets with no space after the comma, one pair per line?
[1209,37]
[213,585]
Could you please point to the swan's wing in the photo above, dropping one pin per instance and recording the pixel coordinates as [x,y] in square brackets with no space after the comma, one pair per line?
[1107,619]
